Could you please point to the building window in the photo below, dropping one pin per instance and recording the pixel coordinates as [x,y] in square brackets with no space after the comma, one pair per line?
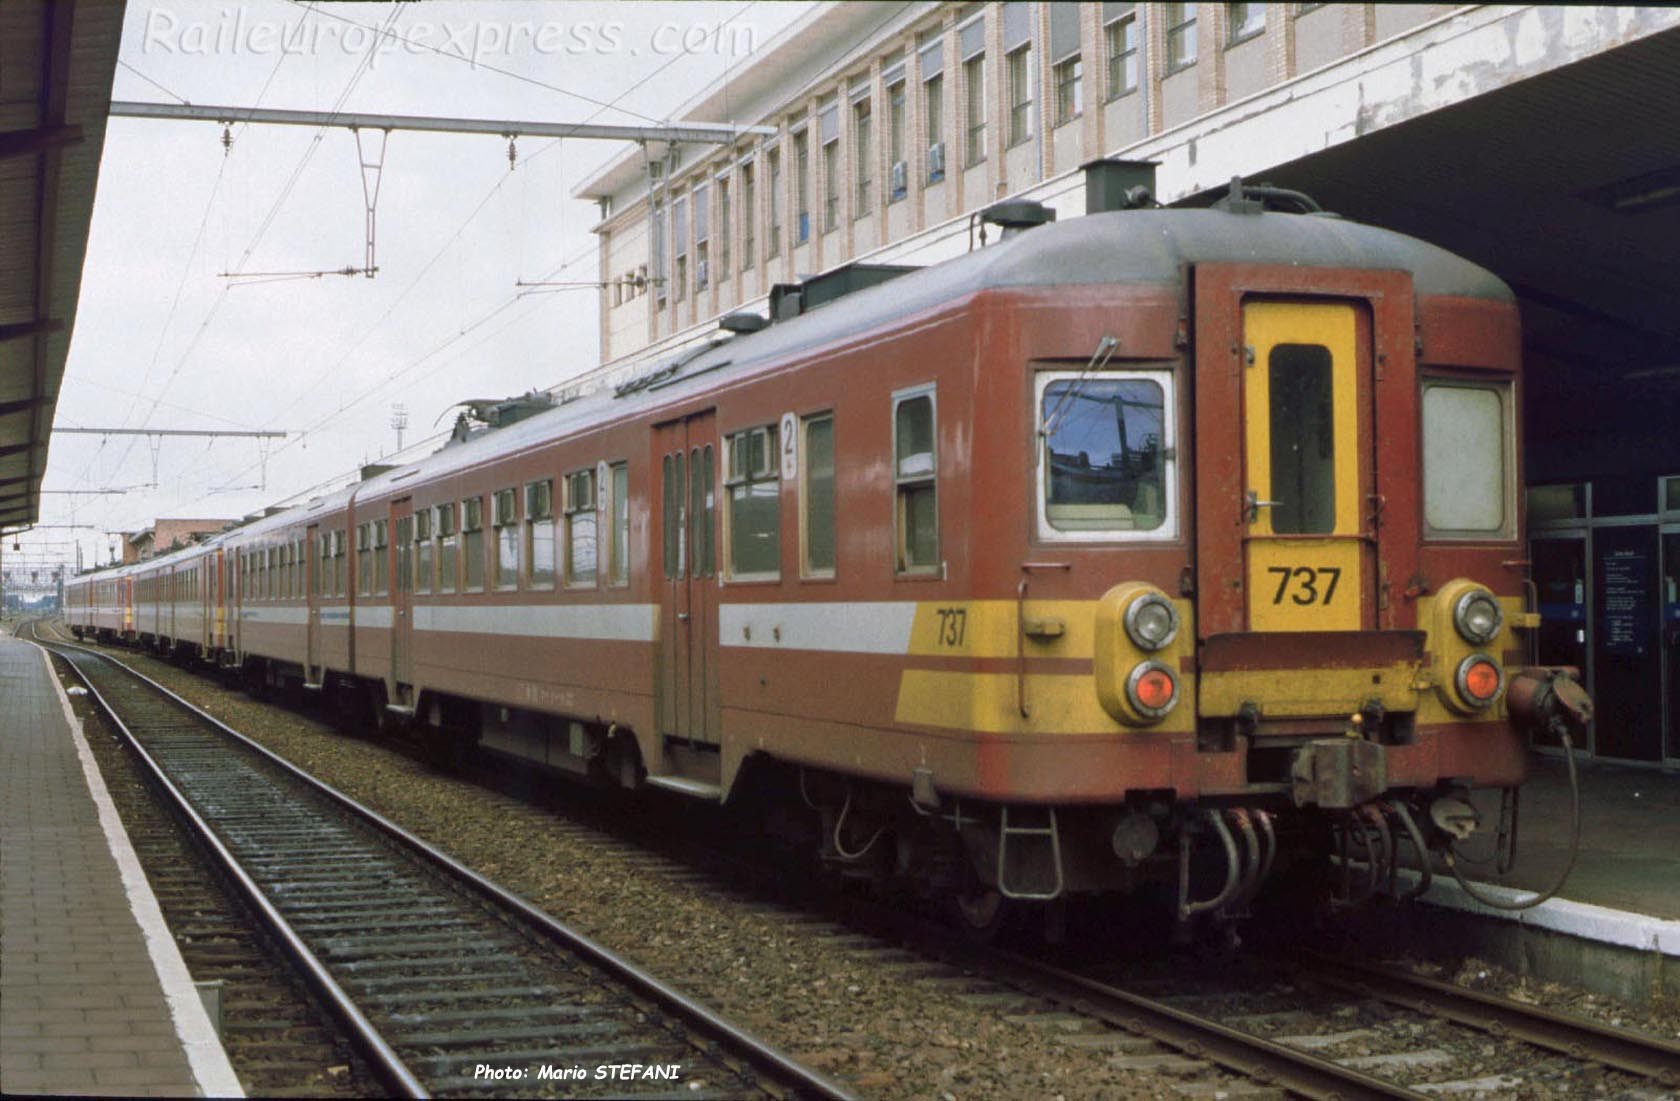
[974,80]
[828,130]
[539,532]
[702,237]
[802,188]
[472,540]
[1467,464]
[1120,38]
[679,248]
[1181,35]
[1103,464]
[749,218]
[423,551]
[899,184]
[1020,95]
[816,497]
[1070,102]
[1244,21]
[505,520]
[448,571]
[726,228]
[773,247]
[754,494]
[657,250]
[933,107]
[580,528]
[915,472]
[620,473]
[864,151]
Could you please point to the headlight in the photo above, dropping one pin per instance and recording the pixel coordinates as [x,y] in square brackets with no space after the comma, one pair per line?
[1477,616]
[1151,689]
[1479,680]
[1151,621]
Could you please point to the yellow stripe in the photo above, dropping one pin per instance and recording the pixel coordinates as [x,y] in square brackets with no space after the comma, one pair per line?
[986,702]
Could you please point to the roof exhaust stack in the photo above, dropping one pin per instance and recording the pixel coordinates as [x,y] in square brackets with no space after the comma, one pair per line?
[1115,184]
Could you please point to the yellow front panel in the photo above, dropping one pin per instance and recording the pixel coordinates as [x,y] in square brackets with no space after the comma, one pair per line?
[1303,585]
[1308,576]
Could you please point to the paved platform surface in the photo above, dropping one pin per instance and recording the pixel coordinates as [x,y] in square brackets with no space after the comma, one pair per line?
[94,997]
[1625,886]
[1630,836]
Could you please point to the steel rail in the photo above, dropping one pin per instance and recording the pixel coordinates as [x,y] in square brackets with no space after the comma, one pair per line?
[1579,1038]
[381,1057]
[1255,1057]
[759,1055]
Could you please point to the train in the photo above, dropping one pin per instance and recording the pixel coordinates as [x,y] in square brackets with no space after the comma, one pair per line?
[1153,548]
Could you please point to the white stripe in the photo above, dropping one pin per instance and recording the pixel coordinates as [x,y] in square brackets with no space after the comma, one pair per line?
[373,617]
[606,622]
[1560,915]
[861,628]
[205,1055]
[275,614]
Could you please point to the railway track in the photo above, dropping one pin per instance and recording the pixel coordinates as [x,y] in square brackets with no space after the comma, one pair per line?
[1314,1026]
[444,982]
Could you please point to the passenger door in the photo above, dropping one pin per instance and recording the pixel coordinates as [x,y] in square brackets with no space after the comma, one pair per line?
[402,584]
[312,557]
[686,472]
[1307,476]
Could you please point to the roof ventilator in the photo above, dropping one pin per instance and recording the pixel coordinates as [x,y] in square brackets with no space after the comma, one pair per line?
[742,322]
[1016,216]
[1254,198]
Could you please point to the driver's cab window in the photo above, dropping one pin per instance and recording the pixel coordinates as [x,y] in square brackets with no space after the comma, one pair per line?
[1105,455]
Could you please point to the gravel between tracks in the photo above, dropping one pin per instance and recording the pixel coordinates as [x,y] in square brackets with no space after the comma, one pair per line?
[823,1002]
[808,992]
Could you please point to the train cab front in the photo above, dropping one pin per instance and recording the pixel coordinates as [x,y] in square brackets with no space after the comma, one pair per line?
[1361,631]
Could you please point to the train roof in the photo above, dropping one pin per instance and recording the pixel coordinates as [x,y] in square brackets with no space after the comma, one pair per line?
[1133,247]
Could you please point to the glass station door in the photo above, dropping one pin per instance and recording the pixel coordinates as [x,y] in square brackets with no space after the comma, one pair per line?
[1671,638]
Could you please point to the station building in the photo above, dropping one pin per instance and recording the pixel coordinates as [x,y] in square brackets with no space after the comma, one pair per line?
[1539,141]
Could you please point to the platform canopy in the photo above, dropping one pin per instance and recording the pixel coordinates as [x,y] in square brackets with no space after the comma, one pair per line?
[58,58]
[1567,185]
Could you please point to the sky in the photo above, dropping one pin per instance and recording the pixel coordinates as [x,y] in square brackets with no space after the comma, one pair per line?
[163,339]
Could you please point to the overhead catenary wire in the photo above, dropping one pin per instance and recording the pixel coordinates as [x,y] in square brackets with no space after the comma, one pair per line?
[489,316]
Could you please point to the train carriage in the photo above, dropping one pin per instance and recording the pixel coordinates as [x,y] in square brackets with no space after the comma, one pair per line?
[1146,546]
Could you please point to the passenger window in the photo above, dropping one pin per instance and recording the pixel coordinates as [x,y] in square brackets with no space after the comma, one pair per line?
[620,524]
[1303,434]
[1467,469]
[670,557]
[404,550]
[754,519]
[816,526]
[472,539]
[1102,463]
[580,528]
[702,507]
[423,551]
[915,471]
[381,541]
[449,571]
[539,533]
[506,521]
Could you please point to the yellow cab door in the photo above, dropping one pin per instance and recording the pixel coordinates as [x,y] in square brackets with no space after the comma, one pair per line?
[1304,549]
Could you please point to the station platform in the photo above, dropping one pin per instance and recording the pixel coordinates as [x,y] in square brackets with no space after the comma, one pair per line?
[94,997]
[1613,928]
